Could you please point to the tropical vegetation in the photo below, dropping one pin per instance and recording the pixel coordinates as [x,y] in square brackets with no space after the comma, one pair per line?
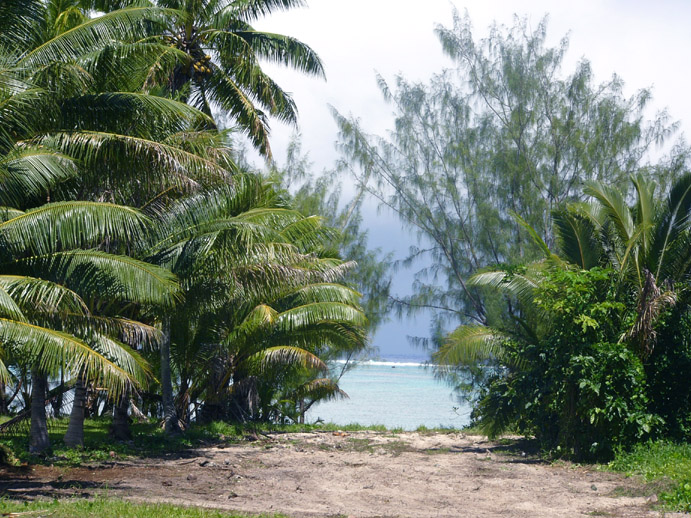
[147,273]
[143,273]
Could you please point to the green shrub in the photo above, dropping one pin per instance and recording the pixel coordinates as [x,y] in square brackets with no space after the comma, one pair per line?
[669,370]
[573,385]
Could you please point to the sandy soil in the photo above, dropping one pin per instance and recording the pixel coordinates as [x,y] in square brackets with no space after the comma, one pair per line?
[360,474]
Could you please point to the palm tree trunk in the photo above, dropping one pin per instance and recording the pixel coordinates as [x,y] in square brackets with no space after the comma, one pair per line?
[4,405]
[38,438]
[74,437]
[170,418]
[56,402]
[120,429]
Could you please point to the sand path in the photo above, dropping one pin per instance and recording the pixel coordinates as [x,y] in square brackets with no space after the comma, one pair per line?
[359,474]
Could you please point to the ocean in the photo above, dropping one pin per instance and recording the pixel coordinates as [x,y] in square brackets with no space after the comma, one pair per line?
[396,394]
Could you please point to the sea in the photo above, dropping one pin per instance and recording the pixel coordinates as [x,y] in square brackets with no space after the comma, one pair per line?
[397,392]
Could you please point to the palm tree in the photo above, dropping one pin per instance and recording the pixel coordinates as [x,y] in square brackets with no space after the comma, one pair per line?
[77,92]
[646,243]
[47,267]
[249,266]
[221,54]
[46,126]
[274,356]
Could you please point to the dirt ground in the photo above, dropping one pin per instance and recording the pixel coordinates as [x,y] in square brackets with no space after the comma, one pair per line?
[354,474]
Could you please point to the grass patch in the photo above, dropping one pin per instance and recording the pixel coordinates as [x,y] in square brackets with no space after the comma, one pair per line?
[394,448]
[110,508]
[422,429]
[473,429]
[148,440]
[360,445]
[663,462]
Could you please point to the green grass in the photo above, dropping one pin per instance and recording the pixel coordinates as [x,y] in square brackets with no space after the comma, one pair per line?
[148,439]
[656,461]
[110,508]
[440,429]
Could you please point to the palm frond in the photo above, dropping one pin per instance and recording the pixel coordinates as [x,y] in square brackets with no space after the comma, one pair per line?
[288,355]
[577,238]
[132,113]
[321,292]
[8,213]
[73,224]
[519,285]
[131,66]
[225,93]
[52,351]
[136,334]
[644,211]
[669,252]
[9,308]
[468,344]
[316,313]
[536,238]
[163,160]
[42,296]
[615,207]
[249,10]
[320,389]
[27,172]
[284,50]
[123,24]
[136,367]
[5,374]
[19,22]
[118,277]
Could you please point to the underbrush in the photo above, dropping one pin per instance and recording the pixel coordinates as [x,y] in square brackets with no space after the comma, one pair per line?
[660,461]
[110,508]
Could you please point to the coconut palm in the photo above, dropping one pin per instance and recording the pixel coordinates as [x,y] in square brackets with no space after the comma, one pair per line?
[275,355]
[222,54]
[48,267]
[243,257]
[77,92]
[41,134]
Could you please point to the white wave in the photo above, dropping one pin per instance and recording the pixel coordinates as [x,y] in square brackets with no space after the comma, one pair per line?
[388,364]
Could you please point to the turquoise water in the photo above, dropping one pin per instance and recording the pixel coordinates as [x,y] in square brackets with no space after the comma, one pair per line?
[404,395]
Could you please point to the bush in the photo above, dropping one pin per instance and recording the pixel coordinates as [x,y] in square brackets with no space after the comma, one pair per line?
[669,370]
[574,385]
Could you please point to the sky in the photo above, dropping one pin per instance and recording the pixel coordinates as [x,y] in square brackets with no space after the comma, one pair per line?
[647,44]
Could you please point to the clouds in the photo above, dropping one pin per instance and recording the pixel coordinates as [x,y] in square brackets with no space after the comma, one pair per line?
[644,43]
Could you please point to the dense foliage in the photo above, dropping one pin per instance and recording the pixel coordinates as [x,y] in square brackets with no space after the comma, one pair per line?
[572,384]
[214,299]
[587,358]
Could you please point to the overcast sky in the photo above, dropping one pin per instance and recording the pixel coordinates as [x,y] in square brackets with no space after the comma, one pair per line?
[648,44]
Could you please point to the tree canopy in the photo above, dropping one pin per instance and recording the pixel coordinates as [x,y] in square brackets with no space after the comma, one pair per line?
[507,131]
